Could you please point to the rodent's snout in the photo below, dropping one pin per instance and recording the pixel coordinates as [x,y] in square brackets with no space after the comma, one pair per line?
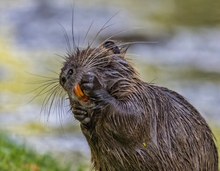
[65,76]
[62,80]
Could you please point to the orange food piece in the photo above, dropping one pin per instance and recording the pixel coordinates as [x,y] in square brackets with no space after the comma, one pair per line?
[79,93]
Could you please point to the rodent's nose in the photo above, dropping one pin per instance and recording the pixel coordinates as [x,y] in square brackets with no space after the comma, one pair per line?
[63,80]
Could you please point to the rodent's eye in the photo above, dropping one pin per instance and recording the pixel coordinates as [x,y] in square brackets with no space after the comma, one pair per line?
[70,72]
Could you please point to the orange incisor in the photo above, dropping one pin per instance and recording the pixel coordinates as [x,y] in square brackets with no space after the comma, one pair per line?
[79,93]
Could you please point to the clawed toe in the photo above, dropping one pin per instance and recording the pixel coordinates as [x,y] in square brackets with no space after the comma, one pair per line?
[81,114]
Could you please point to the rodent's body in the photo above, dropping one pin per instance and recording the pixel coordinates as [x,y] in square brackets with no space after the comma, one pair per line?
[159,132]
[131,125]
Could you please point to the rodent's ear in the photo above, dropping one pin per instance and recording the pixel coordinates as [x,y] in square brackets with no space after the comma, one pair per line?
[112,46]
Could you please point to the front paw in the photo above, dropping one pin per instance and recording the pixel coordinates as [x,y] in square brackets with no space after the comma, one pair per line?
[92,87]
[81,114]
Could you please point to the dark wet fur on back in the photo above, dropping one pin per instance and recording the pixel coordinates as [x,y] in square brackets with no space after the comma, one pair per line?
[134,125]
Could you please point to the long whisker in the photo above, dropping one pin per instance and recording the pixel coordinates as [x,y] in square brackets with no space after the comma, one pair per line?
[78,40]
[90,26]
[103,28]
[44,81]
[69,49]
[137,42]
[52,71]
[62,57]
[43,90]
[51,99]
[60,105]
[40,76]
[118,33]
[120,45]
[43,86]
[45,107]
[72,30]
[94,55]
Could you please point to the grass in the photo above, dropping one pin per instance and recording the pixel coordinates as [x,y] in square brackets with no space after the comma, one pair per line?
[15,157]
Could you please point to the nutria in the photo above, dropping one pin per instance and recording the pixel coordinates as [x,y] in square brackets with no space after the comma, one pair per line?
[131,125]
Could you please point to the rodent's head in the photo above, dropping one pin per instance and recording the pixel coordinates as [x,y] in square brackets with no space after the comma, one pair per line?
[107,62]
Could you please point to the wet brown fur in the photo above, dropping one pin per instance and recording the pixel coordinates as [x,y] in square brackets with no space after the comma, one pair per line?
[142,127]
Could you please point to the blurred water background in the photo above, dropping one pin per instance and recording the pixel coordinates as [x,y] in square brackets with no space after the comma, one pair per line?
[181,53]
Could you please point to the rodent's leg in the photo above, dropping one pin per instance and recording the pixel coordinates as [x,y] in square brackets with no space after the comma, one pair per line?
[81,114]
[122,109]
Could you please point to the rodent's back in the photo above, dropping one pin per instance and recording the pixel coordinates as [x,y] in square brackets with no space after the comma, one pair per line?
[182,134]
